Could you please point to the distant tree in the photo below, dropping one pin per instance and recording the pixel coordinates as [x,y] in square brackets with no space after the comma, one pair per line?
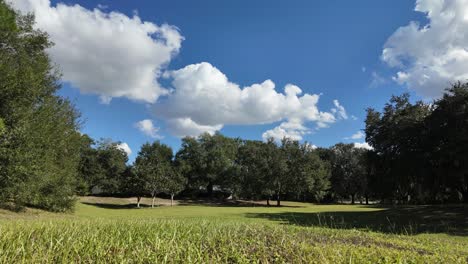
[152,166]
[207,160]
[253,169]
[315,174]
[190,161]
[220,154]
[133,185]
[349,177]
[307,175]
[112,162]
[89,170]
[398,136]
[173,183]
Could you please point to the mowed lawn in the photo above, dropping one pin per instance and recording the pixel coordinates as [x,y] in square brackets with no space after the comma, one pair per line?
[111,230]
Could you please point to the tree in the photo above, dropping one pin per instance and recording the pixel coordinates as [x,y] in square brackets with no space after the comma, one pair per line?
[349,177]
[447,140]
[190,162]
[220,154]
[89,170]
[173,183]
[39,139]
[315,174]
[153,165]
[112,161]
[133,185]
[399,137]
[276,181]
[252,169]
[207,161]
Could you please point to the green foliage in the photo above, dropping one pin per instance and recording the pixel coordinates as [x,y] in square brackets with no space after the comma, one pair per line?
[208,160]
[349,177]
[253,169]
[112,164]
[2,127]
[419,149]
[39,138]
[101,166]
[154,169]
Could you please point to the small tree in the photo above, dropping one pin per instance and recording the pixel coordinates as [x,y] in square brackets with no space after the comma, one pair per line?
[152,166]
[173,183]
[132,184]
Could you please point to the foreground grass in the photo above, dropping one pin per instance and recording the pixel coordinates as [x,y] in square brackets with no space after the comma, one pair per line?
[215,241]
[114,233]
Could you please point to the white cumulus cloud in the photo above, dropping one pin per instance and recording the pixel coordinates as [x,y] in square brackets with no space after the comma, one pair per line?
[147,127]
[204,100]
[357,135]
[430,57]
[294,130]
[363,145]
[106,53]
[125,147]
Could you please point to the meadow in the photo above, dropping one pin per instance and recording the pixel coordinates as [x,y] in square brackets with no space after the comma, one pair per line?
[111,230]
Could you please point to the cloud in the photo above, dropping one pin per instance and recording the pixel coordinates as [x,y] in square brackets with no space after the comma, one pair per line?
[294,130]
[204,100]
[181,127]
[310,146]
[339,110]
[363,145]
[146,126]
[125,147]
[377,80]
[106,53]
[357,135]
[432,56]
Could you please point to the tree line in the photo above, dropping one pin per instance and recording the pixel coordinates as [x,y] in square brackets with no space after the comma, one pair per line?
[419,149]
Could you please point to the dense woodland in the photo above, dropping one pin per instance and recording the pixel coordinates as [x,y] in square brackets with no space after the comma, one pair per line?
[419,155]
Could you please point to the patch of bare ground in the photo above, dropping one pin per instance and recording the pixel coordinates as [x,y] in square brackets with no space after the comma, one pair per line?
[126,201]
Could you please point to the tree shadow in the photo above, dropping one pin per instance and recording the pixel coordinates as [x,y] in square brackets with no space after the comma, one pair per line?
[410,220]
[117,206]
[229,203]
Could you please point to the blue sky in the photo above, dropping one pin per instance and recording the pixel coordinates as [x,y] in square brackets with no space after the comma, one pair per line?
[332,49]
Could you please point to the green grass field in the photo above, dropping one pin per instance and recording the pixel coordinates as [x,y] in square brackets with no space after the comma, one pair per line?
[109,230]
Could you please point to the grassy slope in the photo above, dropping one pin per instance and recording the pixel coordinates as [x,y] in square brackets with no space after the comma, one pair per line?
[112,232]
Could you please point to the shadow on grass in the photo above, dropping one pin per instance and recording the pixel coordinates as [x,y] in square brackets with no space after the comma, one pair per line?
[202,202]
[411,220]
[230,203]
[117,206]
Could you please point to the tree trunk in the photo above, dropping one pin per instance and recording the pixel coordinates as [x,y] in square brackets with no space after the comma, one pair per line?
[154,199]
[209,189]
[268,201]
[172,198]
[367,199]
[278,201]
[352,199]
[138,201]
